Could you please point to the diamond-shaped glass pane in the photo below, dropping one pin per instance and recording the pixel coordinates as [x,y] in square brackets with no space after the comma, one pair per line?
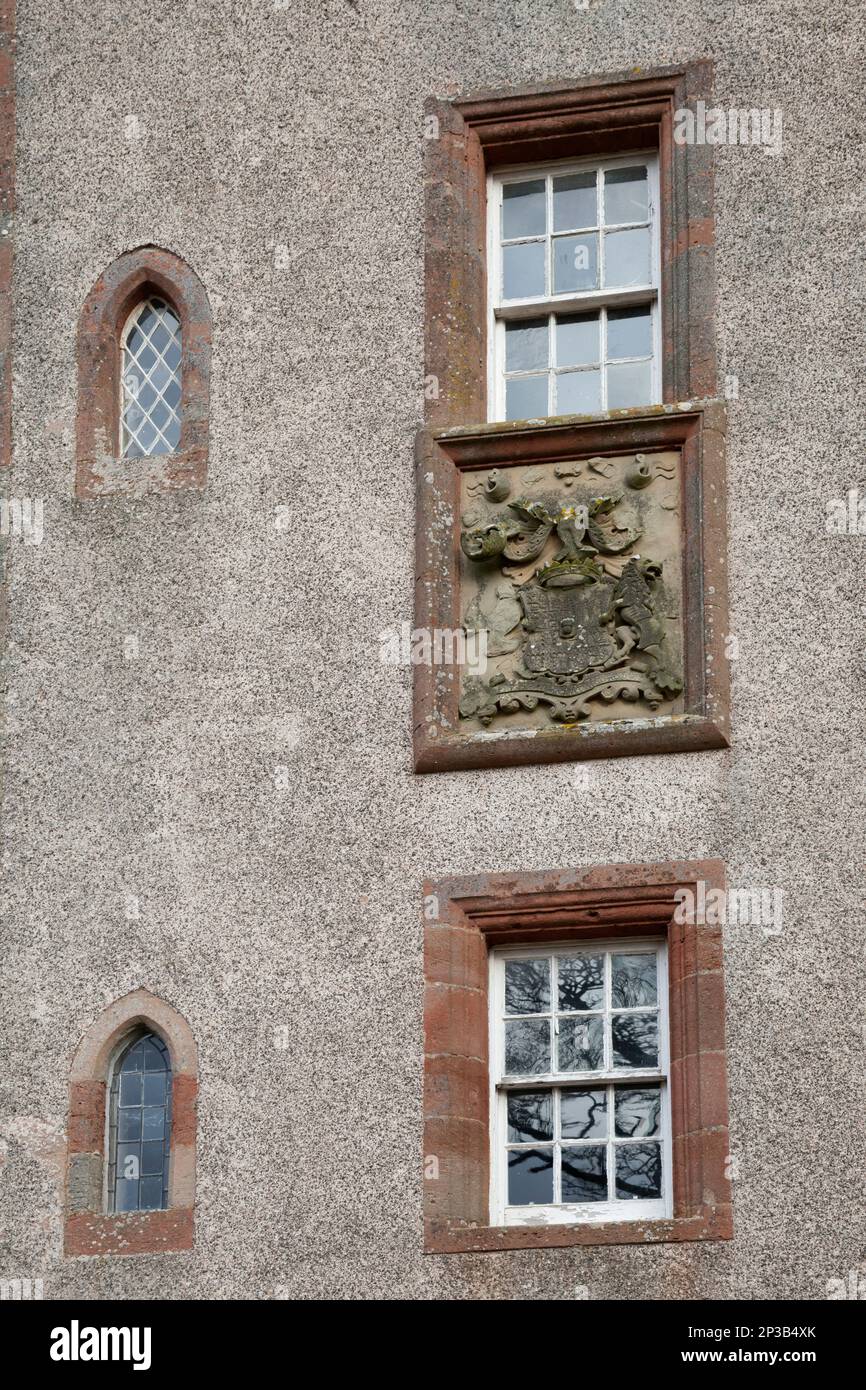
[160,414]
[145,441]
[172,433]
[151,377]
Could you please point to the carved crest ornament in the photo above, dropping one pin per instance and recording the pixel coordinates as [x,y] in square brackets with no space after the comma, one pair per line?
[574,571]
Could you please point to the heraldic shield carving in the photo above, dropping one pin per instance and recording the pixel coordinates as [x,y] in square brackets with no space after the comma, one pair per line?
[582,564]
[574,572]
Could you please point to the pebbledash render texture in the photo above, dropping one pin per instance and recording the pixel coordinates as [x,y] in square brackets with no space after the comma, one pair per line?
[224,818]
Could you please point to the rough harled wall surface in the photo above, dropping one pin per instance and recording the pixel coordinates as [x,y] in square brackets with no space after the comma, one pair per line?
[263,126]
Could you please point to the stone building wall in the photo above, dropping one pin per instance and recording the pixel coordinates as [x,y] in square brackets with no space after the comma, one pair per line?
[224,812]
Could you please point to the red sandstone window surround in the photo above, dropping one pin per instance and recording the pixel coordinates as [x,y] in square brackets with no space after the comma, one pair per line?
[629,909]
[94,1222]
[594,119]
[144,346]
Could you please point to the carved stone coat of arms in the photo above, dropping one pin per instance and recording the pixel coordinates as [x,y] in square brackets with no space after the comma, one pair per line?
[574,572]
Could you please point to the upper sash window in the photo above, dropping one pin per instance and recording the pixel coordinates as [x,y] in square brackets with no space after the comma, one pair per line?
[574,283]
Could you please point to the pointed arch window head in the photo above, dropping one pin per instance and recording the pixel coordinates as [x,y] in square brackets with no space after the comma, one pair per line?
[151,381]
[139,1139]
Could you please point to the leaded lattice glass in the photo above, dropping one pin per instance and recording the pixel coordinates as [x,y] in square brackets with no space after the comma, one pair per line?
[140,1127]
[151,382]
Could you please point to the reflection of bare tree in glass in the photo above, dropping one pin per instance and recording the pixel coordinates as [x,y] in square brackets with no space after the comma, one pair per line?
[638,1170]
[527,1046]
[527,986]
[530,1116]
[635,1040]
[637,1112]
[583,1114]
[584,1174]
[581,1044]
[543,1159]
[633,981]
[581,982]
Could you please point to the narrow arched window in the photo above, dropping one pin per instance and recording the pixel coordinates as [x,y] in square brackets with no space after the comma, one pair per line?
[144,352]
[139,1137]
[150,381]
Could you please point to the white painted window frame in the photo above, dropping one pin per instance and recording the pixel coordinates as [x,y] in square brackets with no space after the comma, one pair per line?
[586,1213]
[500,312]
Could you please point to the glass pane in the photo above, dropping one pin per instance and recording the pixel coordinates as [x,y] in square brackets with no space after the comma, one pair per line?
[530,1176]
[172,355]
[527,986]
[629,383]
[637,1112]
[172,433]
[130,1088]
[133,1060]
[145,396]
[147,319]
[156,1054]
[633,981]
[578,393]
[584,1174]
[581,982]
[172,394]
[526,397]
[577,342]
[129,1124]
[625,195]
[635,1040]
[574,202]
[523,209]
[160,415]
[523,270]
[152,1157]
[575,263]
[160,338]
[154,1123]
[129,1161]
[629,332]
[134,416]
[527,1047]
[145,358]
[126,1195]
[584,1114]
[530,1116]
[638,1170]
[526,345]
[627,257]
[160,377]
[151,1194]
[147,438]
[581,1044]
